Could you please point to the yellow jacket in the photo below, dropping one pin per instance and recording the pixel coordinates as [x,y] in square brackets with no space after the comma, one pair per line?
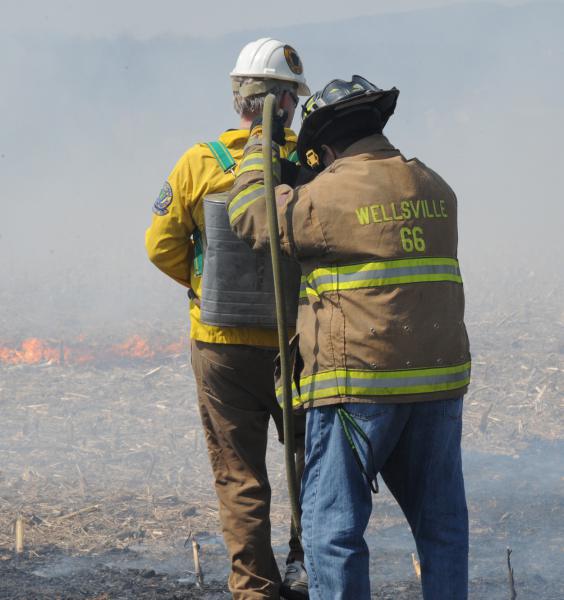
[179,211]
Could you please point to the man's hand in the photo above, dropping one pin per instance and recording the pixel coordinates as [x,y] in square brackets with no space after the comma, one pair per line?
[278,121]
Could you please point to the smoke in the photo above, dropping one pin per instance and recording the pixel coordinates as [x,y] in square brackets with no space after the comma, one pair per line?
[91,128]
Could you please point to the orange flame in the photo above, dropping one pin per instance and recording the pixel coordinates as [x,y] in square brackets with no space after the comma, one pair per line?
[35,351]
[134,347]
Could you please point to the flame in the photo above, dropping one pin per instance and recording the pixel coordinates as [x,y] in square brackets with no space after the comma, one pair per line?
[134,347]
[33,350]
[81,351]
[175,347]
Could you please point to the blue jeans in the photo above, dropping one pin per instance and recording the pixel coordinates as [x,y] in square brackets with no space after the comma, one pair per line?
[416,450]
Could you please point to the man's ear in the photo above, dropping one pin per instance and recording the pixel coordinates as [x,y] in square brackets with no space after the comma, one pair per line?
[328,155]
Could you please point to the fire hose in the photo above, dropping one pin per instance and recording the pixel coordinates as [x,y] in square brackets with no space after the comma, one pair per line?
[272,215]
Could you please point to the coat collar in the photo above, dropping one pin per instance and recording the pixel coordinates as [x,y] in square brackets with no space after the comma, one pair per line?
[368,145]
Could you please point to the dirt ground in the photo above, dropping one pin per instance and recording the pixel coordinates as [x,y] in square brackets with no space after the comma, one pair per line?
[106,466]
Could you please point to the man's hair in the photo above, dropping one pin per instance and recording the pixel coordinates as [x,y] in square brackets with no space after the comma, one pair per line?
[251,106]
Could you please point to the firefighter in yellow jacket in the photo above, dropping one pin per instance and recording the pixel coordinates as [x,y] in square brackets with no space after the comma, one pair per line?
[383,358]
[234,340]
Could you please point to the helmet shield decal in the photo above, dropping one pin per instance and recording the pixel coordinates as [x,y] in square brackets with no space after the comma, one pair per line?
[293,60]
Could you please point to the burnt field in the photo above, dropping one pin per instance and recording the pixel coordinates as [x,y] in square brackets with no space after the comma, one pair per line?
[105,470]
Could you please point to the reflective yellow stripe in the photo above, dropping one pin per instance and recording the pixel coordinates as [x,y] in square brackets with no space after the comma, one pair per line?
[348,382]
[296,401]
[249,168]
[401,373]
[255,156]
[254,162]
[367,391]
[252,156]
[306,290]
[244,199]
[379,282]
[309,292]
[376,274]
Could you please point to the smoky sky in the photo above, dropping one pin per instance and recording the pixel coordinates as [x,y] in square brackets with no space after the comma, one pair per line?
[93,120]
[144,19]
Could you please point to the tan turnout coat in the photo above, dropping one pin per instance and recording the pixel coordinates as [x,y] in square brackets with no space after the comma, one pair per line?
[381,315]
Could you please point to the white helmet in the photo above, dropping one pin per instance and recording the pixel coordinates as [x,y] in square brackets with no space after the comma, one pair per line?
[271,59]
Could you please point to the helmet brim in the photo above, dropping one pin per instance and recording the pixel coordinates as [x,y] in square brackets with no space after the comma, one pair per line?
[384,101]
[303,89]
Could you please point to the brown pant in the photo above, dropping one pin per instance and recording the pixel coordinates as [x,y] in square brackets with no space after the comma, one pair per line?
[236,400]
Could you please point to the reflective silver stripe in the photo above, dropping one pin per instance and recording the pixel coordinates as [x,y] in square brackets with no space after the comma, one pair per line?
[257,140]
[252,161]
[244,198]
[303,288]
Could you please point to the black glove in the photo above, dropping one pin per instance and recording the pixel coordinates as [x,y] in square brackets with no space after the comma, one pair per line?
[305,176]
[278,133]
[288,172]
[295,175]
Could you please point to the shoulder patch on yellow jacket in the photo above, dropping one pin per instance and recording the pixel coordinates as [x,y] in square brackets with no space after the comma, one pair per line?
[164,200]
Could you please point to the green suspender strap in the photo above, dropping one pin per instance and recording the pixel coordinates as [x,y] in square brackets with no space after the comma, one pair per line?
[227,164]
[223,156]
[198,252]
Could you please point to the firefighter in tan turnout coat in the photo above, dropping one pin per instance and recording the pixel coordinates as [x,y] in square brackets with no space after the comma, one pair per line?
[382,361]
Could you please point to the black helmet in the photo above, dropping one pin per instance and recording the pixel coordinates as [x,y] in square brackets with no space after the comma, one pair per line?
[342,107]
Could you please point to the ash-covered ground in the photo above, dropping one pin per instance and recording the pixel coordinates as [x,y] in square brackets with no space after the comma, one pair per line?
[106,464]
